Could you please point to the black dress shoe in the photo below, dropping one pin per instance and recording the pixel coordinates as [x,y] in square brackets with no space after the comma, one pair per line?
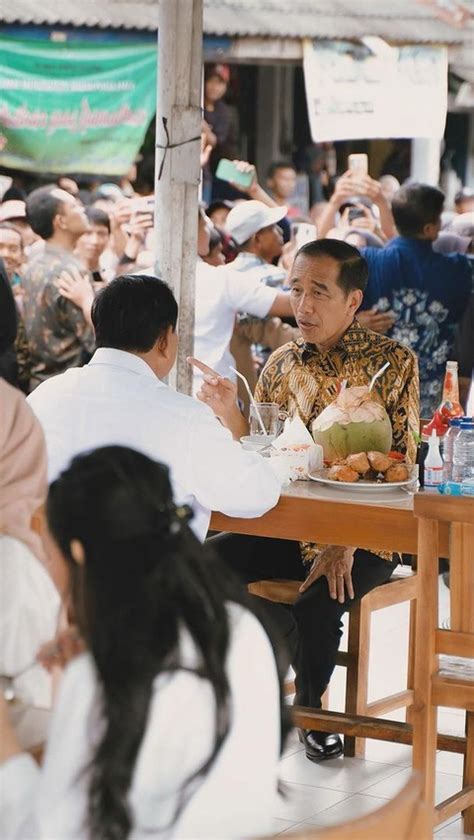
[320,746]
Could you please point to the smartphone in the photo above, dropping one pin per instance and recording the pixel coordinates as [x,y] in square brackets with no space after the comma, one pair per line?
[355,213]
[228,171]
[143,206]
[358,164]
[302,232]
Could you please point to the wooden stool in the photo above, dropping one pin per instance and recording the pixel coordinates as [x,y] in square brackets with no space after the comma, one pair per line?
[442,682]
[356,660]
[405,818]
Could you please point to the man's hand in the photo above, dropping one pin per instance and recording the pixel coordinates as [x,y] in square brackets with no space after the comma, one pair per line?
[379,322]
[347,186]
[208,142]
[140,224]
[334,563]
[220,394]
[248,169]
[76,287]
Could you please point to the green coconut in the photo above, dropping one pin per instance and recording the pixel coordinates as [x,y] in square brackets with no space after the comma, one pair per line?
[354,422]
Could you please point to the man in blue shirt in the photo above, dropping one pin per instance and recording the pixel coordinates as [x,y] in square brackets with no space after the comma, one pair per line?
[426,292]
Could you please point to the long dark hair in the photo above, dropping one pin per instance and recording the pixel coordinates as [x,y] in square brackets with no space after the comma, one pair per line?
[145,576]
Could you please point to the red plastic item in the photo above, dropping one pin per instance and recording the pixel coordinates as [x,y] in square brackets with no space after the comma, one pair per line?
[439,423]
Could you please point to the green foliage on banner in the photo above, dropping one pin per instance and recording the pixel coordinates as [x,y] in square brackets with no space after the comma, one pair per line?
[77,107]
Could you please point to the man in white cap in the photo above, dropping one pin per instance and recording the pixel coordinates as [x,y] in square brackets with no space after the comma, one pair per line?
[222,293]
[254,228]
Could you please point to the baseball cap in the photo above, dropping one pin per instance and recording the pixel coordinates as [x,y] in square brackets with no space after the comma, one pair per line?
[221,70]
[248,217]
[12,210]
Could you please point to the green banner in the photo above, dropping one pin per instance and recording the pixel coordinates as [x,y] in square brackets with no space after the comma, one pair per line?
[76,107]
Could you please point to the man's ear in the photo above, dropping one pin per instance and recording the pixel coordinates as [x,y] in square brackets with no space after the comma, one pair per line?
[356,299]
[431,230]
[163,342]
[58,222]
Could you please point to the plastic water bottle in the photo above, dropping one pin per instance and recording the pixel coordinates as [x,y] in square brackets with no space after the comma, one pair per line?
[448,447]
[463,453]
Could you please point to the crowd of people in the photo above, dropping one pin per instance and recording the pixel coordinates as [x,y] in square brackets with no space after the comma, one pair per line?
[154,718]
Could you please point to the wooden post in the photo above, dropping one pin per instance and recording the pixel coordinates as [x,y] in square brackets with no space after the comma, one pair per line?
[179,103]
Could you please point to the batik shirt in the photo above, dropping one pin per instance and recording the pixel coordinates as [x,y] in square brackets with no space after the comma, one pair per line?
[304,381]
[428,294]
[58,335]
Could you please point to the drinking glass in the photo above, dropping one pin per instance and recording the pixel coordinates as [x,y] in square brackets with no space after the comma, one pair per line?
[272,417]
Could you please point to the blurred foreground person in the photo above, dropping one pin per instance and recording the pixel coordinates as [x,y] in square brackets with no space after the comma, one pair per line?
[29,602]
[151,736]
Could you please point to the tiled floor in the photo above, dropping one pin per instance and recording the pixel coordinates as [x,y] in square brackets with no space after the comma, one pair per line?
[346,788]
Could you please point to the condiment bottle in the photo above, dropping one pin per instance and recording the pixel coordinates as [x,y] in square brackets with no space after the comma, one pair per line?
[433,465]
[450,405]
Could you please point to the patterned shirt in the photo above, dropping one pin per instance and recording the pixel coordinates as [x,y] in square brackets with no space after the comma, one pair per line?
[303,380]
[58,335]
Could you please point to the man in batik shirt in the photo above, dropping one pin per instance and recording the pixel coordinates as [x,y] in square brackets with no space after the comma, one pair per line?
[327,283]
[58,332]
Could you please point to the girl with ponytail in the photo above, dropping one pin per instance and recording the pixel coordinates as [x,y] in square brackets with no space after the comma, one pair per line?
[170,724]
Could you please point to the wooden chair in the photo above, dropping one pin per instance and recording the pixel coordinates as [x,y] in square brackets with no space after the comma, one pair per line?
[438,680]
[403,818]
[356,660]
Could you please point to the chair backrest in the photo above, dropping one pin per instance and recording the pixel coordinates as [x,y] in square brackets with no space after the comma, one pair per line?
[405,818]
[458,512]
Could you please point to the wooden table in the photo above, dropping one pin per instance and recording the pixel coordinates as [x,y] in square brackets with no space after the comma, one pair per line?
[310,511]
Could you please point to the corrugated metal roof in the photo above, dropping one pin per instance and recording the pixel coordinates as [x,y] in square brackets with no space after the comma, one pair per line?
[394,20]
[107,14]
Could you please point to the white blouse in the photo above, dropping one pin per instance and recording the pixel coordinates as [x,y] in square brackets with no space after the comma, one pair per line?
[235,799]
[29,611]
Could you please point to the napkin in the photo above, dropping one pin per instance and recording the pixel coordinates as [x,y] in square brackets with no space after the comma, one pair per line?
[296,448]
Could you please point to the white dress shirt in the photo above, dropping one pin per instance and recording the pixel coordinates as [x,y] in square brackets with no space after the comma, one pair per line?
[117,400]
[235,799]
[221,294]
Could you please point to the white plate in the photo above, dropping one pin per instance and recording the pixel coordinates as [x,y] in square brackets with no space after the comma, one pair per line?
[363,486]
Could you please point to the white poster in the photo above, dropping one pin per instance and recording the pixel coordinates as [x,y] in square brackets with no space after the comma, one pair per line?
[356,93]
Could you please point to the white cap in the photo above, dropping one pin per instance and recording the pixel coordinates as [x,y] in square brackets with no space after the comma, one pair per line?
[248,217]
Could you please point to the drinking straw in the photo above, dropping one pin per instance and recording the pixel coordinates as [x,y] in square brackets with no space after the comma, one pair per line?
[379,373]
[254,404]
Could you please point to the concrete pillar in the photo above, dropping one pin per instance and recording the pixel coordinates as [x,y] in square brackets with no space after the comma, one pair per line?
[179,104]
[425,158]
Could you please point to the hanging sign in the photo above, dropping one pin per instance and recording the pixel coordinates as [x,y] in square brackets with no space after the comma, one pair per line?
[358,92]
[74,107]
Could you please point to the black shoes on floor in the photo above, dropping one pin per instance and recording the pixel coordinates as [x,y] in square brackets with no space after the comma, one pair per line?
[320,746]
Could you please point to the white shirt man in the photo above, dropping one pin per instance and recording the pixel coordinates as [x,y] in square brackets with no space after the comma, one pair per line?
[222,293]
[120,398]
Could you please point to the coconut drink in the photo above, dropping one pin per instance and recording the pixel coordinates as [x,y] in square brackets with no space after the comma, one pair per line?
[353,423]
